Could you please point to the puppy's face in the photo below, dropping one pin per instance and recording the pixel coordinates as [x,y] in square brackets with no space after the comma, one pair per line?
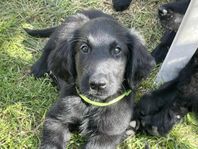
[100,59]
[98,56]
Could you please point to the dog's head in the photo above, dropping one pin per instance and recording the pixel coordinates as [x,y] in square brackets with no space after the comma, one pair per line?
[100,57]
[171,14]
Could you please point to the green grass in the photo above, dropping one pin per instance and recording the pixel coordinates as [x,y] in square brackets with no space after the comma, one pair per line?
[24,101]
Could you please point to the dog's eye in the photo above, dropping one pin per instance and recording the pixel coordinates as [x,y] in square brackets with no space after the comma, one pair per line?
[84,48]
[117,50]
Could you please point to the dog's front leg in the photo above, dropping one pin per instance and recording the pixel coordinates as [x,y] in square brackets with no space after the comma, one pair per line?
[55,134]
[41,65]
[102,141]
[65,112]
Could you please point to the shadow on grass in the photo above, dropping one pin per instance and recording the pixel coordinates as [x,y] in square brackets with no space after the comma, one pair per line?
[24,100]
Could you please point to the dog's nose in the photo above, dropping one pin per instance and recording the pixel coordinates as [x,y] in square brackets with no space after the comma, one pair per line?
[98,82]
[97,85]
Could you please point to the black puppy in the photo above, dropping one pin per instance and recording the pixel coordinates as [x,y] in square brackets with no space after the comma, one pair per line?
[93,55]
[164,107]
[121,5]
[170,15]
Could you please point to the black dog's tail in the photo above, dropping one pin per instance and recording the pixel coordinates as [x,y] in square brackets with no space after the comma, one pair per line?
[43,33]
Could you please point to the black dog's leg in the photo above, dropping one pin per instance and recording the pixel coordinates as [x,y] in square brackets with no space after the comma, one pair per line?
[102,141]
[159,53]
[65,113]
[55,134]
[41,66]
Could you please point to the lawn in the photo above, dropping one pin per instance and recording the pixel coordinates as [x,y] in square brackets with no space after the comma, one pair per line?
[24,100]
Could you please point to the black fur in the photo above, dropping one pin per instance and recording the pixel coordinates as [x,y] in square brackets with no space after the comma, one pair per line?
[94,53]
[121,5]
[170,15]
[160,52]
[164,107]
[40,33]
[160,110]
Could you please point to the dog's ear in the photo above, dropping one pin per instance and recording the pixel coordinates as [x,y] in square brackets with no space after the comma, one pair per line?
[140,62]
[61,62]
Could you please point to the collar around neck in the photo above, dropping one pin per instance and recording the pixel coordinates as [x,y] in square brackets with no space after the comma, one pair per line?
[103,104]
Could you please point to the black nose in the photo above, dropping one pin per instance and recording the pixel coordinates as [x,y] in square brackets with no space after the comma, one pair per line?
[97,85]
[98,82]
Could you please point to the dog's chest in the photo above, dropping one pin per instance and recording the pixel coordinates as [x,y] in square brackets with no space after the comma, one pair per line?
[110,121]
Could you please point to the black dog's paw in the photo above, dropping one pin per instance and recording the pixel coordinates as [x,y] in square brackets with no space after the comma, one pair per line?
[167,17]
[121,5]
[162,11]
[170,16]
[132,129]
[160,123]
[39,69]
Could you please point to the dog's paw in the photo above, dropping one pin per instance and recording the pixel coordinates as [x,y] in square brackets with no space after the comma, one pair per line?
[169,19]
[132,128]
[160,124]
[165,14]
[162,11]
[121,5]
[39,69]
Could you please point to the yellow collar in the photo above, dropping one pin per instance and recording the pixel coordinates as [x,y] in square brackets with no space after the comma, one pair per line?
[103,104]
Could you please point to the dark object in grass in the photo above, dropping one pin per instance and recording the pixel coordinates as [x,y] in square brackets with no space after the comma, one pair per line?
[121,5]
[170,15]
[160,110]
[40,33]
[92,52]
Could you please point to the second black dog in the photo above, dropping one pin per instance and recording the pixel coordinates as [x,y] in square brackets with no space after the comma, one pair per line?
[164,107]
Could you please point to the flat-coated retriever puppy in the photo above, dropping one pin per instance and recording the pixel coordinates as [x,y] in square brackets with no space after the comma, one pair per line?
[121,5]
[164,107]
[99,60]
[170,15]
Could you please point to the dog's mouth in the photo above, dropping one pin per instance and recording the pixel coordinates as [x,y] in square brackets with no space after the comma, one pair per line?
[93,94]
[99,95]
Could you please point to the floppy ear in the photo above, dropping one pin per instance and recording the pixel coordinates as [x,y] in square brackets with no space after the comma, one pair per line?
[61,62]
[140,62]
